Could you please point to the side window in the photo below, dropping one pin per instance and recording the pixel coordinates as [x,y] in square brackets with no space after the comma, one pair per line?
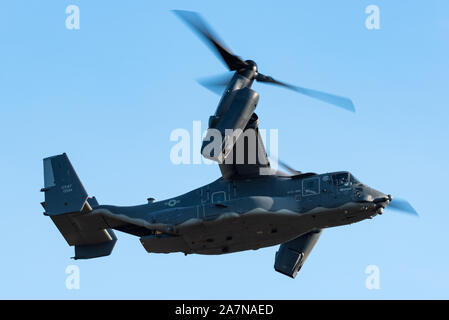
[218,196]
[310,187]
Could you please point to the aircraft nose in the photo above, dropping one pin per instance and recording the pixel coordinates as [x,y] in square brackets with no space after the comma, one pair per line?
[383,200]
[367,194]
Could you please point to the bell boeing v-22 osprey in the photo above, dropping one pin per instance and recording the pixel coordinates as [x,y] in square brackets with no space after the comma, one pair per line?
[250,207]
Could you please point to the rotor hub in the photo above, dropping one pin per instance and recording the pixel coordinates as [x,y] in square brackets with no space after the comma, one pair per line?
[250,70]
[251,65]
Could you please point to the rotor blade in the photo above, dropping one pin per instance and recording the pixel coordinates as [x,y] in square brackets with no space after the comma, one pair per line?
[403,206]
[216,84]
[288,168]
[338,101]
[197,24]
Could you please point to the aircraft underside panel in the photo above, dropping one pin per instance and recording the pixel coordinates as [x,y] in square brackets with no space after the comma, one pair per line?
[258,228]
[164,244]
[246,232]
[231,234]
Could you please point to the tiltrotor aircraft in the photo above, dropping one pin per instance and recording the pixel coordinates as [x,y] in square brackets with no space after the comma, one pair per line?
[250,206]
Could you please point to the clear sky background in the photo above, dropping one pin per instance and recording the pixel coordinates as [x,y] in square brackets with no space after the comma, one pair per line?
[111,93]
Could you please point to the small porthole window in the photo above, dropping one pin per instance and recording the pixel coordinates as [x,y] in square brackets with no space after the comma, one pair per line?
[218,197]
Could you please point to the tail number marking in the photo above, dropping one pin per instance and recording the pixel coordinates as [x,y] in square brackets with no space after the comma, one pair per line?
[66,188]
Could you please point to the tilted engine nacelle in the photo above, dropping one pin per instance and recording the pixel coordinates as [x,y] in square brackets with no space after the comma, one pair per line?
[292,254]
[240,105]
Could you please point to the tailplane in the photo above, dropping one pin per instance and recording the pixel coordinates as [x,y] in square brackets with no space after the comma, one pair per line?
[68,205]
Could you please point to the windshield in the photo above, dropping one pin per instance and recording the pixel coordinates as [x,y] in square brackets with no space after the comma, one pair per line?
[354,180]
[344,179]
[341,179]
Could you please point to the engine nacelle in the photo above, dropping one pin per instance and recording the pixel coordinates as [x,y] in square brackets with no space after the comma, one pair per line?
[234,121]
[292,254]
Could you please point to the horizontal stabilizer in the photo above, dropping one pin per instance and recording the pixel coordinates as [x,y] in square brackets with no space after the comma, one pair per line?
[102,249]
[70,208]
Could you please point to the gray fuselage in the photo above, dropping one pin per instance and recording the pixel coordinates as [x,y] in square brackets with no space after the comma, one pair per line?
[228,216]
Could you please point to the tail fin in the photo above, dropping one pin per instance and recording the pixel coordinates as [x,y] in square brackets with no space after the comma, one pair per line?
[68,205]
[64,192]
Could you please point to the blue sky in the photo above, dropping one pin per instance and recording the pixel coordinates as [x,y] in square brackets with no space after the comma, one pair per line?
[110,94]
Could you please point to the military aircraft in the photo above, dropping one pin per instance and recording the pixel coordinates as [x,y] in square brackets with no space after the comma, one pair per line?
[250,206]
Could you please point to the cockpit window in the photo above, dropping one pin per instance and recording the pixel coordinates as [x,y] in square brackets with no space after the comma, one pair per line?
[354,180]
[344,179]
[341,179]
